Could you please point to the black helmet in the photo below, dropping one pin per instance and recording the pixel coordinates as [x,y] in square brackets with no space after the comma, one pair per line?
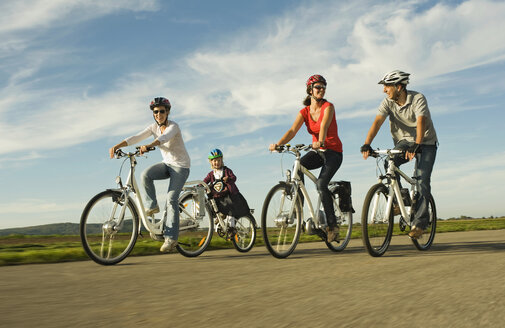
[160,101]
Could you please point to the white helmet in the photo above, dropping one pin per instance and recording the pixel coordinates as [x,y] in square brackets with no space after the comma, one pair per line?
[395,77]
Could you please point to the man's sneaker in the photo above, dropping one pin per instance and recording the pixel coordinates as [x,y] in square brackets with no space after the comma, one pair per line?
[415,232]
[153,211]
[332,234]
[168,245]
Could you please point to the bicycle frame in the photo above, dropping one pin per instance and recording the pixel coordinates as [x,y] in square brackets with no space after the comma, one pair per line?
[296,180]
[394,188]
[132,187]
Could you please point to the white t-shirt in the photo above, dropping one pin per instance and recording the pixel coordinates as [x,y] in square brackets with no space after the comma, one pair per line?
[218,174]
[171,145]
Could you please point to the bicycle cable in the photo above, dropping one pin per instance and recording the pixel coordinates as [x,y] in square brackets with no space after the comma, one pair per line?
[121,167]
[378,169]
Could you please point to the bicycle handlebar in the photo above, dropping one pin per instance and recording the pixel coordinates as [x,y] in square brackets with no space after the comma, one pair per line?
[295,149]
[119,153]
[388,152]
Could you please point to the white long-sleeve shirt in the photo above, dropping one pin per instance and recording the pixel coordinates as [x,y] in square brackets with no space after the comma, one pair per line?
[171,145]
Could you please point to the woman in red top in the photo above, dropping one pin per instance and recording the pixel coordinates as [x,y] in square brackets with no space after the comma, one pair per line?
[319,117]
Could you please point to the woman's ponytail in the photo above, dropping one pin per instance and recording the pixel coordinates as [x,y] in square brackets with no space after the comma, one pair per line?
[306,101]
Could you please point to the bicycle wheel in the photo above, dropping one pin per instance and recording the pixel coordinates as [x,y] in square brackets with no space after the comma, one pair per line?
[245,234]
[377,228]
[344,221]
[281,231]
[195,232]
[426,240]
[108,228]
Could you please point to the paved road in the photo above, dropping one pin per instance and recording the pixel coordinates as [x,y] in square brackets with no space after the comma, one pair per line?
[460,282]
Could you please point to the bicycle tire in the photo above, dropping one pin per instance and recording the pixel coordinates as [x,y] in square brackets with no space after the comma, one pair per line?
[420,243]
[280,232]
[344,220]
[193,242]
[108,239]
[376,228]
[245,234]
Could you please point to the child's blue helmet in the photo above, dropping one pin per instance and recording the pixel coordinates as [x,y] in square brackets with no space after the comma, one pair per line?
[215,153]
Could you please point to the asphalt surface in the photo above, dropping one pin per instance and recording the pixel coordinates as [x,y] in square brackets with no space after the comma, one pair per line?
[460,282]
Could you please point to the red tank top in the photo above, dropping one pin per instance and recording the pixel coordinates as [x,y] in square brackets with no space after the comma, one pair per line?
[332,140]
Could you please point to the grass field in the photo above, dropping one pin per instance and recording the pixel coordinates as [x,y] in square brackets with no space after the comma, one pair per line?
[25,249]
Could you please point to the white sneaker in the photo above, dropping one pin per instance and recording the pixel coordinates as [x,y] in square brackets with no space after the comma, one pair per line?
[168,245]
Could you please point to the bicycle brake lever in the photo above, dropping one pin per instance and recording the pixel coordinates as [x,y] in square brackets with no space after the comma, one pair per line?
[118,153]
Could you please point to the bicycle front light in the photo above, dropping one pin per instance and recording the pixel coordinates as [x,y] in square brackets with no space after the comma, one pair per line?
[288,175]
[119,182]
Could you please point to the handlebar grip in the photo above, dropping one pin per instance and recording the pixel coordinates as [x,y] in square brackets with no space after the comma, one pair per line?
[280,147]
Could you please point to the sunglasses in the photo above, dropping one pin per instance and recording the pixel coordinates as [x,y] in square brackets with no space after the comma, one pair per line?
[319,87]
[161,111]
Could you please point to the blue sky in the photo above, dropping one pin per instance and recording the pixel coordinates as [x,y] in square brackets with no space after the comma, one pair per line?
[77,77]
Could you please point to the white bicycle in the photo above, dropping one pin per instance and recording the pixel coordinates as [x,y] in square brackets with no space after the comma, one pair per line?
[192,242]
[281,217]
[113,219]
[377,218]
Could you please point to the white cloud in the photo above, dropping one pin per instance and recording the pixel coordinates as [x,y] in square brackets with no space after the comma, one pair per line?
[262,73]
[22,15]
[256,77]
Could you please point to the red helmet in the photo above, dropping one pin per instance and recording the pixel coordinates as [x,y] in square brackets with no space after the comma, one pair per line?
[160,101]
[315,78]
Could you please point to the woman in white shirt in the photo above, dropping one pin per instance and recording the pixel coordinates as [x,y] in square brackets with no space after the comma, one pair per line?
[175,165]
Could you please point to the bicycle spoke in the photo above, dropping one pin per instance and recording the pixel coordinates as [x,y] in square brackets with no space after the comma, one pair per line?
[426,240]
[279,235]
[377,227]
[109,227]
[245,233]
[195,237]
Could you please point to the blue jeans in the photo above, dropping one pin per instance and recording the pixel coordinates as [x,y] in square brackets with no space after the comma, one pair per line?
[425,162]
[178,176]
[330,162]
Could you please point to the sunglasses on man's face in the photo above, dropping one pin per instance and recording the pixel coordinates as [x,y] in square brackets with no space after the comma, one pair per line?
[161,111]
[319,87]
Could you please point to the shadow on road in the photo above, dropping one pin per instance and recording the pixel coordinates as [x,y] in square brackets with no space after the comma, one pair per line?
[454,248]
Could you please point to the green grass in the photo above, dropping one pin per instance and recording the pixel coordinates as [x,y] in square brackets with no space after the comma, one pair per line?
[24,249]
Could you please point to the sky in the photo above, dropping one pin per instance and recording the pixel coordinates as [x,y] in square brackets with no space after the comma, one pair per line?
[77,77]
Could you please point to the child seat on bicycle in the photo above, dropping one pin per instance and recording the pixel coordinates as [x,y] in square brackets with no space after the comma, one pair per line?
[221,180]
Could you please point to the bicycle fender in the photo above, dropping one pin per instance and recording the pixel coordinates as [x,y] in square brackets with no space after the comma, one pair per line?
[118,192]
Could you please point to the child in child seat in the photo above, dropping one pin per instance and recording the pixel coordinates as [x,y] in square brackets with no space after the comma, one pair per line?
[221,181]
